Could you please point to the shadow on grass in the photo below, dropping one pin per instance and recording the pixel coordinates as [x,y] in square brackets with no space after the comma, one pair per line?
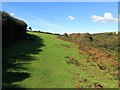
[16,58]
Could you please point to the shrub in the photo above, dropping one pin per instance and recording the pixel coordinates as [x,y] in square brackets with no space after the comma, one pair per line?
[84,38]
[74,36]
[65,34]
[12,28]
[30,28]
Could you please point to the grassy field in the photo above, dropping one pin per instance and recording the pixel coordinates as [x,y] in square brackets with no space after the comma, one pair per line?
[45,61]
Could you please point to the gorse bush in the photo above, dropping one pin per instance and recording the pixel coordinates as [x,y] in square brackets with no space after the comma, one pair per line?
[106,40]
[65,34]
[84,38]
[12,28]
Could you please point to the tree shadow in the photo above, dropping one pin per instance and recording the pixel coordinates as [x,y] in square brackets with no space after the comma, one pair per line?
[15,57]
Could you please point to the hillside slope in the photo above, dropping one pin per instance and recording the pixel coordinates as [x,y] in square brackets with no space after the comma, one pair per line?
[45,61]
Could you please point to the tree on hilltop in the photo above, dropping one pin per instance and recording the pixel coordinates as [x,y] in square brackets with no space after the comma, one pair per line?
[30,28]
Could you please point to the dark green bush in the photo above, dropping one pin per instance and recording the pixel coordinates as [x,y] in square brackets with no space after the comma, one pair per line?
[106,40]
[84,38]
[65,34]
[12,28]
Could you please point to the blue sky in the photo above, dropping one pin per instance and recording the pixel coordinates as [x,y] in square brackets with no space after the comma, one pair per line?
[69,17]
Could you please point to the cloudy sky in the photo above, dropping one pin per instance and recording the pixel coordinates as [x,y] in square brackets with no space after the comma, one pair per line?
[66,17]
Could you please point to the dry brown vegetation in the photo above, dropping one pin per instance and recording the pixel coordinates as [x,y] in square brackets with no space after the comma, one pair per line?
[100,48]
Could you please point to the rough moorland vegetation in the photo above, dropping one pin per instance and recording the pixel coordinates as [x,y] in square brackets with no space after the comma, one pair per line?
[105,40]
[13,29]
[101,48]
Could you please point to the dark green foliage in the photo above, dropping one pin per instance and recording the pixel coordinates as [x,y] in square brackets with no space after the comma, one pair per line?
[106,40]
[30,28]
[48,33]
[109,40]
[12,29]
[84,38]
[65,34]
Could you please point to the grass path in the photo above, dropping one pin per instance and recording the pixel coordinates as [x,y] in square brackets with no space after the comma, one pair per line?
[48,68]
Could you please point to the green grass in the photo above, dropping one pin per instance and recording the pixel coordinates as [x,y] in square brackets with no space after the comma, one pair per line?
[41,63]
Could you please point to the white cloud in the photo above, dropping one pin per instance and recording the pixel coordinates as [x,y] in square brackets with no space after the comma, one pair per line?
[12,14]
[107,17]
[71,17]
